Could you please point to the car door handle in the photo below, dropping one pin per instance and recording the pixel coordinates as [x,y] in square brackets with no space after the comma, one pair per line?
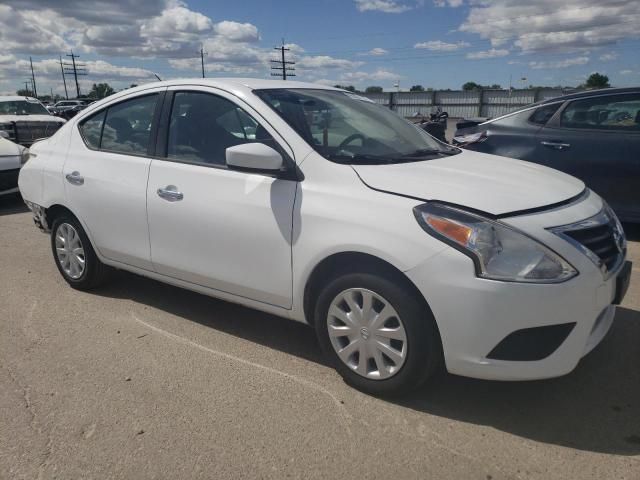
[556,145]
[74,178]
[170,193]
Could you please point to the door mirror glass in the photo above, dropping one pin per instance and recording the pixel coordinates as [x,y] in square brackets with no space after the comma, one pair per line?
[253,156]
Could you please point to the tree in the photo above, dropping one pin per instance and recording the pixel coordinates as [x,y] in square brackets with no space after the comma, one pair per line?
[596,80]
[23,92]
[417,88]
[477,86]
[101,90]
[373,89]
[350,88]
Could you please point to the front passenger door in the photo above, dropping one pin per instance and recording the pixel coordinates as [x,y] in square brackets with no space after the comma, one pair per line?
[212,226]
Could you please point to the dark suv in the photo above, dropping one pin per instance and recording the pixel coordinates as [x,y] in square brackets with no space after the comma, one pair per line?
[593,135]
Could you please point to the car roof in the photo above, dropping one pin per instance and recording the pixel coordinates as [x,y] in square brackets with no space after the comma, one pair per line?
[590,93]
[13,98]
[251,83]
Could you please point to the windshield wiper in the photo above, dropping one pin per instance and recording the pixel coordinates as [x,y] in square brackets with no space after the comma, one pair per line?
[359,158]
[425,152]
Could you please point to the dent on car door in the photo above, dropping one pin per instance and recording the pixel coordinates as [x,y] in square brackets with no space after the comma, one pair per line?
[595,139]
[106,174]
[212,226]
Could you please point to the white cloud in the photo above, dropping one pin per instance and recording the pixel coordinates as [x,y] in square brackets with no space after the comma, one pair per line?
[47,74]
[569,62]
[607,57]
[376,52]
[491,53]
[237,32]
[386,6]
[359,78]
[439,45]
[550,25]
[626,72]
[451,3]
[325,61]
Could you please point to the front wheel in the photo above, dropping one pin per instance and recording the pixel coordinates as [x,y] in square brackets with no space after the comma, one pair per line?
[75,258]
[378,335]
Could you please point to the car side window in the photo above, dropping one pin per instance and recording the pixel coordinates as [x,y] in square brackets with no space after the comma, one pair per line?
[543,114]
[607,112]
[127,127]
[202,126]
[91,129]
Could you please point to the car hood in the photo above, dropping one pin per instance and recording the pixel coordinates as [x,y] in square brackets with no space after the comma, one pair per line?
[30,118]
[489,183]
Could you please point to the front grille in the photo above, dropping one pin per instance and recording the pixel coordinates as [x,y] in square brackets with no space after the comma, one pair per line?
[601,238]
[27,132]
[8,179]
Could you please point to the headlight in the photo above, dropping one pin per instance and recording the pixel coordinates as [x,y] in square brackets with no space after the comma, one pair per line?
[498,251]
[24,155]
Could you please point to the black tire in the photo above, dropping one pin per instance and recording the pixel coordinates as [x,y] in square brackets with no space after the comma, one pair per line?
[95,272]
[424,355]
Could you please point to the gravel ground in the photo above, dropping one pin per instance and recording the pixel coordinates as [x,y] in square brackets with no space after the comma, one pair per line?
[143,380]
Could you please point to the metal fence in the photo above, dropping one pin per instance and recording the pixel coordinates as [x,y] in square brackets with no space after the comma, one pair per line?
[464,103]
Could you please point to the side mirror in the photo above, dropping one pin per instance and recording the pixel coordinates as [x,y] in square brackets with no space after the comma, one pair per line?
[256,157]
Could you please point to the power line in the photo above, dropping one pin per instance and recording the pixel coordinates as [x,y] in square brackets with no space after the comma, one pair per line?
[202,54]
[282,66]
[33,79]
[64,80]
[75,69]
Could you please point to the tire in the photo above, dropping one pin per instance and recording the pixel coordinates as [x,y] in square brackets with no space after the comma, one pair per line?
[422,346]
[66,229]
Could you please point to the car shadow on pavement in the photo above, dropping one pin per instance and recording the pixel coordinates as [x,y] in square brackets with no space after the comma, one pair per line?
[258,327]
[595,408]
[12,203]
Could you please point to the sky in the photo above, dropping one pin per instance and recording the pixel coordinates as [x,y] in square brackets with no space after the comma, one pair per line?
[434,43]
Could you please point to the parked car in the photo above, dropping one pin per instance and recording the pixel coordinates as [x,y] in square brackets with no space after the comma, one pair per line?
[63,105]
[12,157]
[321,206]
[593,135]
[24,120]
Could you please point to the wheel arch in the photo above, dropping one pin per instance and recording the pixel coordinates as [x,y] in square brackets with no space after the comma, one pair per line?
[352,261]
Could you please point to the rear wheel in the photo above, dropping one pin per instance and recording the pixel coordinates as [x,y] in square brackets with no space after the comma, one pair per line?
[379,337]
[75,258]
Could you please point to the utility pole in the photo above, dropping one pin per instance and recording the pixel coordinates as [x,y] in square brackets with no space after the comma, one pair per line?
[202,54]
[26,87]
[33,79]
[75,69]
[284,70]
[64,80]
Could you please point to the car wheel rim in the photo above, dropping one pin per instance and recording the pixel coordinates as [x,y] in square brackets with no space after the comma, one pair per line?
[69,251]
[367,333]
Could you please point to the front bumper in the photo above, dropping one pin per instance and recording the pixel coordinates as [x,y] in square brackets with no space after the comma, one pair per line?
[475,315]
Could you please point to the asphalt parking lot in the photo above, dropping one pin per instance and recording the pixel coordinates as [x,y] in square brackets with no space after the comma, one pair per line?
[143,380]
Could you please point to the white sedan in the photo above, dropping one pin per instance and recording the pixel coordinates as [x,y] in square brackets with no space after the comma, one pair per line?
[406,255]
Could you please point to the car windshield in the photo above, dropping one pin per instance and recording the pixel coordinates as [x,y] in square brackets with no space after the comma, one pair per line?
[347,128]
[22,107]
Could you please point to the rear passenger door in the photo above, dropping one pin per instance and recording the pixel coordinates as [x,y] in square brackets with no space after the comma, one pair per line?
[597,139]
[106,172]
[209,225]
